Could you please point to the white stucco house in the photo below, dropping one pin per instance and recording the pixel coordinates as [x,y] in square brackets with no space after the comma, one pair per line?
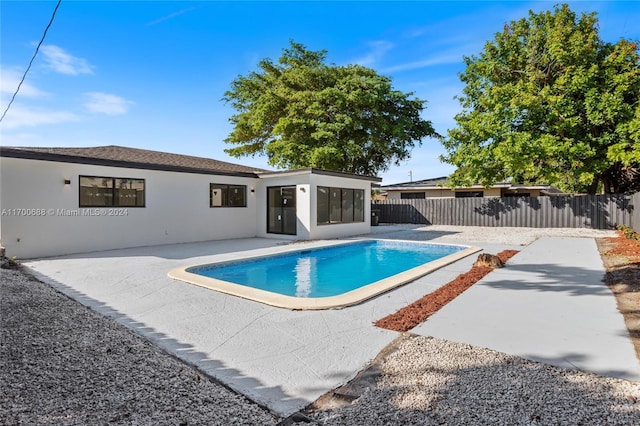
[56,201]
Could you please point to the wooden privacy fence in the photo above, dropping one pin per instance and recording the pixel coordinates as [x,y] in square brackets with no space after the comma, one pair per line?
[635,214]
[574,211]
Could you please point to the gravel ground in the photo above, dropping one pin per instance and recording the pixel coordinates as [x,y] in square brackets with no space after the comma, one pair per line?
[488,235]
[63,364]
[429,381]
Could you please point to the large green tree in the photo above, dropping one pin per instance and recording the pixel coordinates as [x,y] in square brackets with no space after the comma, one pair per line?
[549,101]
[301,112]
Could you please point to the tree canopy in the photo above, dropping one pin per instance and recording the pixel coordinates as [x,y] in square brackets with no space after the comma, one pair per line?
[301,112]
[548,101]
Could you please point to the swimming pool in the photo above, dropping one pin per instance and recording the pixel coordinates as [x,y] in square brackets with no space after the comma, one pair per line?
[324,277]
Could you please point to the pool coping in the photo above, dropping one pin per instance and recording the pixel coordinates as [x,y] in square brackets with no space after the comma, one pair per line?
[349,298]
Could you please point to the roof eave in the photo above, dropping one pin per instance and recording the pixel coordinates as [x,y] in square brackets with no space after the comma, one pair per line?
[75,159]
[312,170]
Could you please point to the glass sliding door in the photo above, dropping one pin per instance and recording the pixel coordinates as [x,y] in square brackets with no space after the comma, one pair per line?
[281,210]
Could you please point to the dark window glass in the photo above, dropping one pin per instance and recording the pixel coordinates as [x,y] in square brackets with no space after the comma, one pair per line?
[358,205]
[470,194]
[237,196]
[335,205]
[339,205]
[222,195]
[216,195]
[323,204]
[129,192]
[347,205]
[412,195]
[96,191]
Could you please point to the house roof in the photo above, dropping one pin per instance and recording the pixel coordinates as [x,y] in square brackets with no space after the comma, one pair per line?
[430,183]
[439,182]
[119,156]
[311,170]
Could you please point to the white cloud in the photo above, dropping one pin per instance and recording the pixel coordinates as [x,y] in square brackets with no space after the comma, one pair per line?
[172,15]
[21,139]
[10,79]
[64,63]
[443,58]
[19,117]
[378,49]
[106,103]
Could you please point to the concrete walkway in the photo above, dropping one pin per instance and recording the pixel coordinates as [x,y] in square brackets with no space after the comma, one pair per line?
[287,359]
[548,304]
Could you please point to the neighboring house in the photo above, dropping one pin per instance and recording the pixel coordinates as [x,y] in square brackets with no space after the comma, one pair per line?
[437,188]
[56,201]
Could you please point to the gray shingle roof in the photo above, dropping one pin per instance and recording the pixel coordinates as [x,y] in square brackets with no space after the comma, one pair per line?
[425,182]
[444,181]
[120,156]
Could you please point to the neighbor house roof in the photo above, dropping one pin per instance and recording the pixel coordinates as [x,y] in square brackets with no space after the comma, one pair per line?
[439,182]
[120,156]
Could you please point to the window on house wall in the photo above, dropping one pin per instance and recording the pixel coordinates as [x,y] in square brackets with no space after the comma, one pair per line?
[335,205]
[323,204]
[358,205]
[129,192]
[100,191]
[469,194]
[222,195]
[347,205]
[339,205]
[412,195]
[518,195]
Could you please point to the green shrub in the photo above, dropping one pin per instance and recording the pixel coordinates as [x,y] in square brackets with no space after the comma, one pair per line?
[628,232]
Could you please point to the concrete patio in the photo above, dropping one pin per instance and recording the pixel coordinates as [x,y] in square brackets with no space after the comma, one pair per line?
[286,359]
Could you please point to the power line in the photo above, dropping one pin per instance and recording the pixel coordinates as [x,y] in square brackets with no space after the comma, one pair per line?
[24,76]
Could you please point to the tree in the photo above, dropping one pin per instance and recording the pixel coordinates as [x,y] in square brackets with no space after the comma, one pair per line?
[549,101]
[300,112]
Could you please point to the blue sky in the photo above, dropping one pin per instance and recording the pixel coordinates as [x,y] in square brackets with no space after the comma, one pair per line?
[151,74]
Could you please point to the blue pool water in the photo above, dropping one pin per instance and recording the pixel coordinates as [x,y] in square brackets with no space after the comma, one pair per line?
[327,271]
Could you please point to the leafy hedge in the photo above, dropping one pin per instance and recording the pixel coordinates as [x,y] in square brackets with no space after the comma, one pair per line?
[628,232]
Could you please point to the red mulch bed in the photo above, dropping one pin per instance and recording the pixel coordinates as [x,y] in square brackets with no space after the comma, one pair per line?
[417,312]
[624,246]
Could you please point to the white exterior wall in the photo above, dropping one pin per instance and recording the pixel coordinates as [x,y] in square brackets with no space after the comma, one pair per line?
[338,230]
[306,201]
[303,201]
[176,210]
[488,192]
[41,215]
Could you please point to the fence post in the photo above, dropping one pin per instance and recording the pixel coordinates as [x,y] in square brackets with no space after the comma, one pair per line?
[635,212]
